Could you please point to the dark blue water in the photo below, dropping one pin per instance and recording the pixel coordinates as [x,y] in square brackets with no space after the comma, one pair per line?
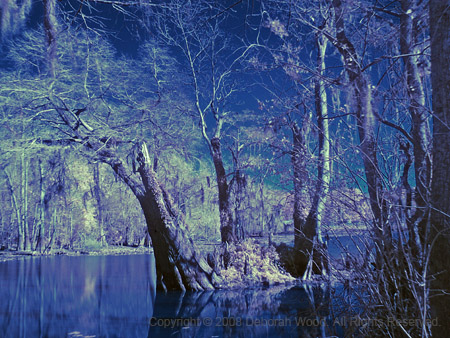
[93,295]
[343,245]
[114,296]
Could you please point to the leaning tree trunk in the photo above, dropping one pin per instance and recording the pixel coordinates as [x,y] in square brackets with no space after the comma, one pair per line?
[439,264]
[179,265]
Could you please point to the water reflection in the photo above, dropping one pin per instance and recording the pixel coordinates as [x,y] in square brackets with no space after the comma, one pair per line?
[60,296]
[297,311]
[107,296]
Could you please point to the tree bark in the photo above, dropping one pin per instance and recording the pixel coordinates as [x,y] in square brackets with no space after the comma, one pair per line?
[310,245]
[303,236]
[41,230]
[179,265]
[240,221]
[420,130]
[320,256]
[98,199]
[439,263]
[226,216]
[24,192]
[366,127]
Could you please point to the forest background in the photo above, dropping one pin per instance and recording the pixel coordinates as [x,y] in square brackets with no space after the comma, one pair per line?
[312,118]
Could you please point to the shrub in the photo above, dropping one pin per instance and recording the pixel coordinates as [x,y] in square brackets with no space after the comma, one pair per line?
[248,263]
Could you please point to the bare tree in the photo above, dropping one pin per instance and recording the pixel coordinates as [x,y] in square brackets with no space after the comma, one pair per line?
[309,245]
[318,256]
[211,59]
[366,121]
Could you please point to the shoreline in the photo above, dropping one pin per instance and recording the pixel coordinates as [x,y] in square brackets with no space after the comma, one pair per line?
[7,255]
[207,246]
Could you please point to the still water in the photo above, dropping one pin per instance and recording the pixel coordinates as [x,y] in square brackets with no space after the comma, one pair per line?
[115,296]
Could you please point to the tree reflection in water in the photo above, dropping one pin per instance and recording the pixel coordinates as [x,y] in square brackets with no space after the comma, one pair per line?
[272,312]
[114,296]
[64,296]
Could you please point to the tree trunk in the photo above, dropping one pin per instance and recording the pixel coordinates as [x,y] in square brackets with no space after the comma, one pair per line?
[320,256]
[310,245]
[3,242]
[303,236]
[24,188]
[98,199]
[420,131]
[240,221]
[179,265]
[41,230]
[262,208]
[50,28]
[51,241]
[16,207]
[366,123]
[226,217]
[439,264]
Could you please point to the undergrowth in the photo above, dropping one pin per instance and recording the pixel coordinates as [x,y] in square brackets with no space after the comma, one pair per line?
[249,264]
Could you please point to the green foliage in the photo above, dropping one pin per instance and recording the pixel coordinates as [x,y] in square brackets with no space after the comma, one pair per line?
[123,221]
[123,99]
[191,183]
[91,244]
